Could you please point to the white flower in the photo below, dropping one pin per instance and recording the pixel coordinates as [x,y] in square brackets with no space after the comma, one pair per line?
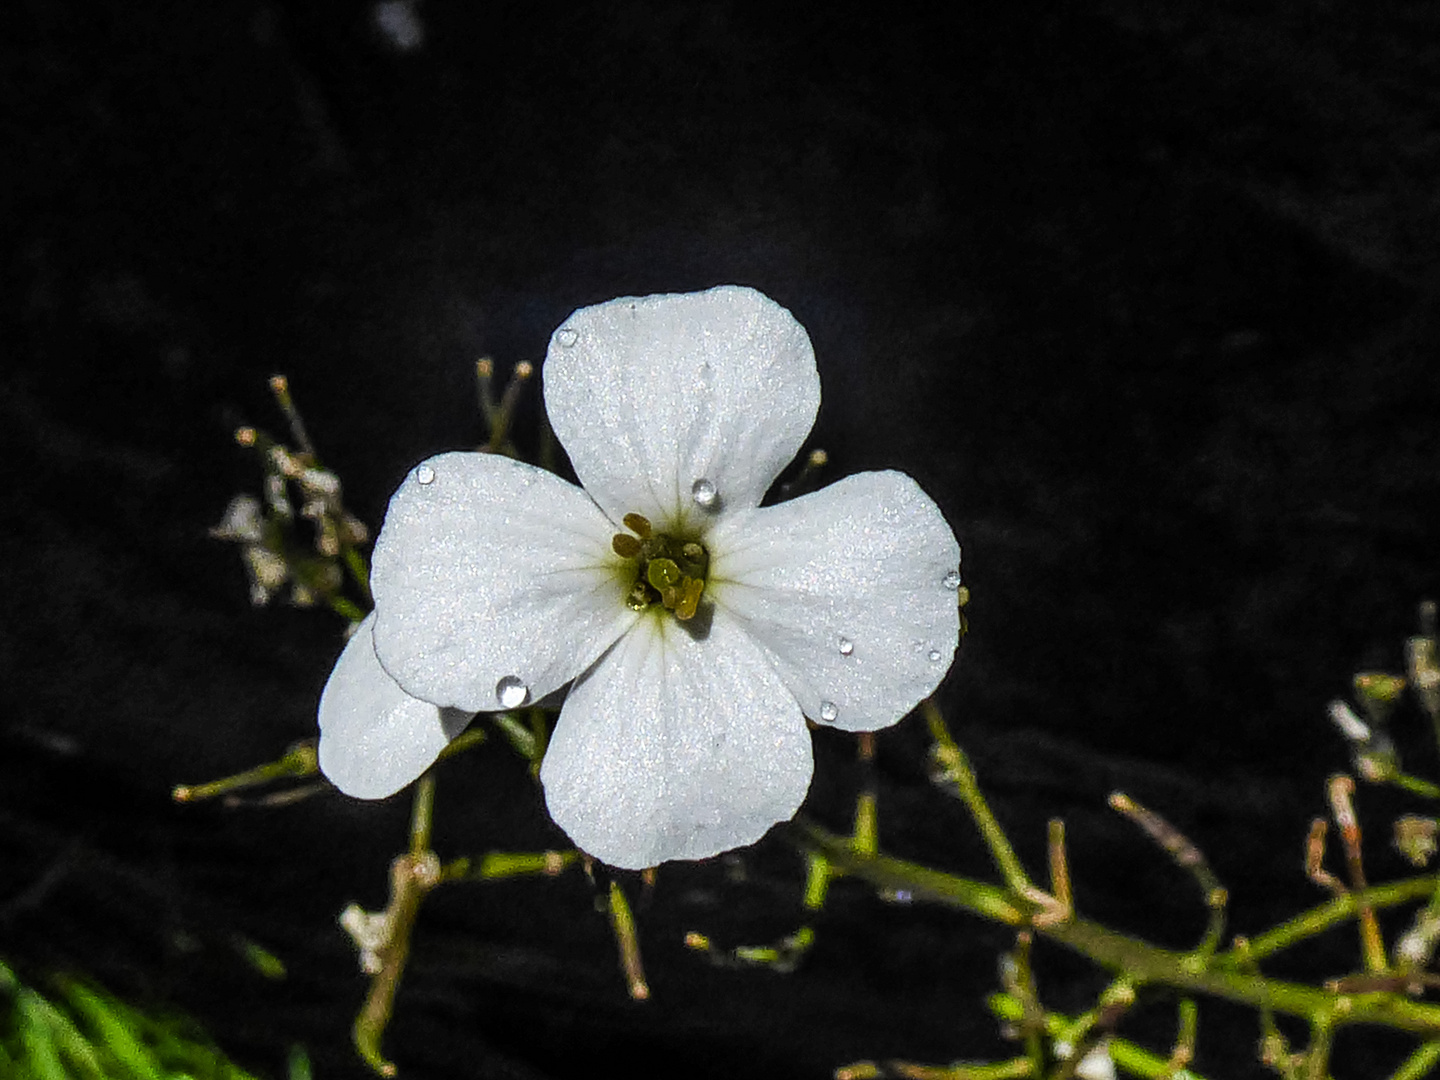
[497,583]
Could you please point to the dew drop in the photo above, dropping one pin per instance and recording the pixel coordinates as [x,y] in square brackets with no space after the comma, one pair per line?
[565,337]
[510,692]
[828,711]
[951,580]
[935,656]
[917,646]
[846,646]
[704,493]
[424,474]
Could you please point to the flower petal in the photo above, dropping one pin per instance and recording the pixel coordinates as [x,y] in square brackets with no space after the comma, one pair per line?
[649,395]
[491,574]
[674,747]
[847,588]
[374,737]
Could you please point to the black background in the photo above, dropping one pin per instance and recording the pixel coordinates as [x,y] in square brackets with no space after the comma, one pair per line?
[1145,296]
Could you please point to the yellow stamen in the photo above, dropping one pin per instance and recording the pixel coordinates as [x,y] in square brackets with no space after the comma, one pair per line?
[689,599]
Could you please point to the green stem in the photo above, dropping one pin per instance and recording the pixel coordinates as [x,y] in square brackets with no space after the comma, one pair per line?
[1143,962]
[355,563]
[505,864]
[299,761]
[1418,1065]
[817,881]
[422,815]
[1416,786]
[412,875]
[472,736]
[346,609]
[958,770]
[1135,1060]
[982,898]
[1320,918]
[622,922]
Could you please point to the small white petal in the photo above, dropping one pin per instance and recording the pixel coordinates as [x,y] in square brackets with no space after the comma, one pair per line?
[863,560]
[652,394]
[374,737]
[676,748]
[493,570]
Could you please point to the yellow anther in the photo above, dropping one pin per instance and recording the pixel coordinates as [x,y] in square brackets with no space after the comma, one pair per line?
[639,525]
[689,600]
[625,545]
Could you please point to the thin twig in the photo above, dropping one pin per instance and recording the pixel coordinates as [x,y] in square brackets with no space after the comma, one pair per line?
[957,768]
[1186,856]
[623,923]
[1342,790]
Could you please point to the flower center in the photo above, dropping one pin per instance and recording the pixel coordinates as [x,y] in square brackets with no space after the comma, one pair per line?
[670,570]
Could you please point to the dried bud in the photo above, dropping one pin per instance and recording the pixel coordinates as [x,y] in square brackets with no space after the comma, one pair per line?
[1378,692]
[1350,725]
[320,482]
[243,521]
[1415,838]
[353,530]
[267,570]
[1424,669]
[276,497]
[370,931]
[1376,760]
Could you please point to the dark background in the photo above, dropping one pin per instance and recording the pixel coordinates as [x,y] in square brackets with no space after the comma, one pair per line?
[1145,295]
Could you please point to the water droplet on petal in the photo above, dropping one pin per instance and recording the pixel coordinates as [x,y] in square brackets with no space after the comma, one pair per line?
[424,474]
[917,646]
[846,646]
[828,711]
[511,692]
[704,493]
[951,580]
[934,656]
[565,337]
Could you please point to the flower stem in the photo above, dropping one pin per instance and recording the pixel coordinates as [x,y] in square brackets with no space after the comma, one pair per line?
[1133,1059]
[412,875]
[1418,1065]
[422,815]
[1416,786]
[958,771]
[506,864]
[359,573]
[299,761]
[1320,918]
[623,923]
[1142,961]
